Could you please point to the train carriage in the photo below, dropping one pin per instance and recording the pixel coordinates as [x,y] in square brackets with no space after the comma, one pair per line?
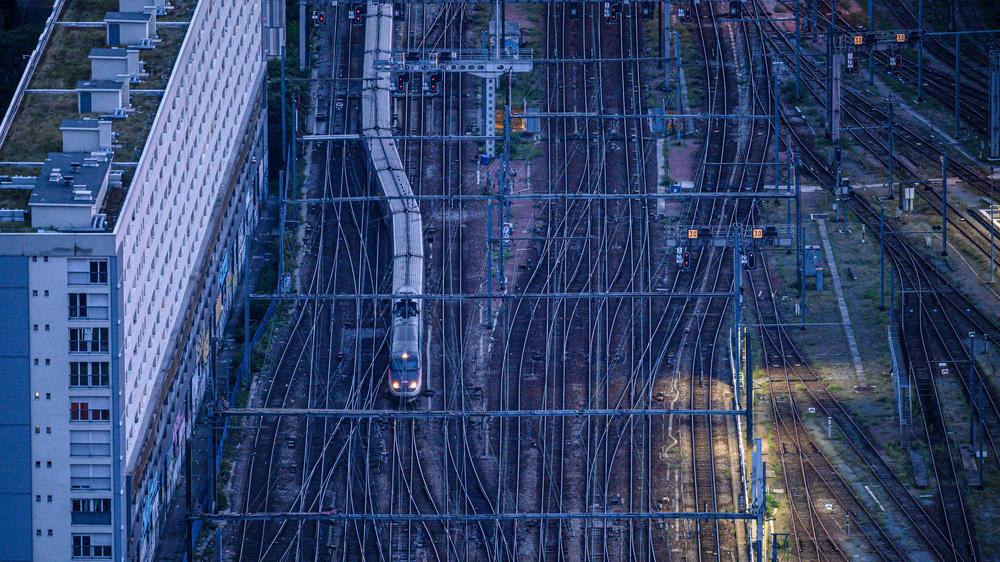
[406,368]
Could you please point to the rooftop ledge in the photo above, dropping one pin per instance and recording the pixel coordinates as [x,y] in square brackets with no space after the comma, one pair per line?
[64,61]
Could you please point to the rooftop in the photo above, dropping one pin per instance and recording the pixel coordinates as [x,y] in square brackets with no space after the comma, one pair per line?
[50,98]
[100,85]
[80,124]
[127,16]
[97,52]
[65,172]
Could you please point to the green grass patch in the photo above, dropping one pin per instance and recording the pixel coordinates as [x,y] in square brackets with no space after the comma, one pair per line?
[65,60]
[35,130]
[88,10]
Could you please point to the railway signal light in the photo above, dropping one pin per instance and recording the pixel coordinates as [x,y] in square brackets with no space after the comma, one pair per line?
[321,18]
[751,260]
[612,10]
[684,14]
[354,15]
[686,260]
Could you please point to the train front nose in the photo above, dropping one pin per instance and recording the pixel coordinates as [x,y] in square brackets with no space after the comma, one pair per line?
[407,385]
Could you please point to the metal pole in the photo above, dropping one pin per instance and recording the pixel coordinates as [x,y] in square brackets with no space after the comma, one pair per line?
[881,258]
[281,225]
[944,205]
[802,280]
[749,383]
[489,261]
[920,50]
[798,53]
[302,35]
[837,188]
[776,124]
[958,84]
[812,24]
[892,155]
[664,29]
[790,170]
[798,210]
[871,51]
[736,296]
[993,204]
[677,57]
[892,297]
[293,167]
[972,392]
[284,134]
[978,444]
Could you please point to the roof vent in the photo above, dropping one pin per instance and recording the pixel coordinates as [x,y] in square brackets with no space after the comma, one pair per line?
[55,176]
[82,194]
[75,166]
[67,180]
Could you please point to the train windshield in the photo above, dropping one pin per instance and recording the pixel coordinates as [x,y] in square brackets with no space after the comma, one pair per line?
[405,362]
[405,308]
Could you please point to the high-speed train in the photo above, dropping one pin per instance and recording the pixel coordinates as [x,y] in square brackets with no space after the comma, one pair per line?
[405,376]
[406,342]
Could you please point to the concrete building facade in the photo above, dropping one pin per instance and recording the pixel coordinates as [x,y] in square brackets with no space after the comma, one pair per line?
[108,303]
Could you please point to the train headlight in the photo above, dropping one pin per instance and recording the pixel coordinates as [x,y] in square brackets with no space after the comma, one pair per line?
[413,385]
[395,385]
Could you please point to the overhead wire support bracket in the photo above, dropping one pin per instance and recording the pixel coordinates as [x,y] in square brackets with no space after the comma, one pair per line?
[507,296]
[355,414]
[472,197]
[479,517]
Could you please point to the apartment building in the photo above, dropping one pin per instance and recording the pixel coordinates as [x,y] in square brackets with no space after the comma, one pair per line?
[117,263]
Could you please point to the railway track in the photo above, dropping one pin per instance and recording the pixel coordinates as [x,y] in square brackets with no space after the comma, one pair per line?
[918,323]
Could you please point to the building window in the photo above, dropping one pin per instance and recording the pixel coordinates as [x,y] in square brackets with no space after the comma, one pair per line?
[90,306]
[89,444]
[91,511]
[88,340]
[88,272]
[92,546]
[98,272]
[90,476]
[89,373]
[78,305]
[94,409]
